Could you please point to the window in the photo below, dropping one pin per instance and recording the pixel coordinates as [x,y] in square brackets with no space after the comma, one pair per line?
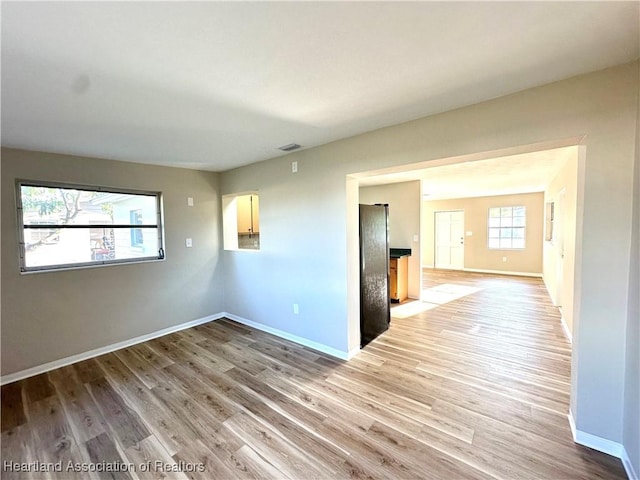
[67,226]
[507,227]
[241,221]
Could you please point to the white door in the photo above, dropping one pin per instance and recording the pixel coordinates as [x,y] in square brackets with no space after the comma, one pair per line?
[449,241]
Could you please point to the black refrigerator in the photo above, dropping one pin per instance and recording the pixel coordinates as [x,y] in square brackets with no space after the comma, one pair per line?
[375,308]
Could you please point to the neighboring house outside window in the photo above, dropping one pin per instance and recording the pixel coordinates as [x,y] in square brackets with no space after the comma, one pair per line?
[137,238]
[69,226]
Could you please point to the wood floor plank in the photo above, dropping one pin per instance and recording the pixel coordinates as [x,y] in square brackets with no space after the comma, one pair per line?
[233,354]
[368,458]
[281,453]
[18,446]
[259,467]
[52,436]
[80,409]
[413,451]
[12,408]
[158,361]
[475,388]
[294,422]
[161,466]
[88,370]
[167,428]
[207,464]
[205,391]
[124,422]
[103,449]
[323,404]
[210,357]
[37,388]
[146,372]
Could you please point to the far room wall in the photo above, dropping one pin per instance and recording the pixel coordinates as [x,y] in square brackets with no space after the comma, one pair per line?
[559,253]
[477,254]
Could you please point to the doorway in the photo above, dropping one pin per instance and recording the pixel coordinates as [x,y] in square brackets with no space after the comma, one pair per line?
[500,172]
[449,240]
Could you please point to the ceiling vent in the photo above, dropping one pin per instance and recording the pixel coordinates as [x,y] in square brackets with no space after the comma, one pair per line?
[289,148]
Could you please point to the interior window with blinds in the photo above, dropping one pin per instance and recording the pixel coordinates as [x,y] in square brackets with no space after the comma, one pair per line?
[68,226]
[507,227]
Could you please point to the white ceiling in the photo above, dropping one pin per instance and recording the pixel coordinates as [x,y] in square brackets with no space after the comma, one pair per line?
[222,84]
[522,173]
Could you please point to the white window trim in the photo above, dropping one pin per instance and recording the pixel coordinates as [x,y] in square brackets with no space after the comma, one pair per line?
[524,228]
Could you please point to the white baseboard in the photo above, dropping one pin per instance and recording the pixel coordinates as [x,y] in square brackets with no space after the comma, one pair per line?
[503,272]
[352,353]
[63,362]
[572,425]
[597,443]
[566,330]
[628,466]
[294,338]
[497,272]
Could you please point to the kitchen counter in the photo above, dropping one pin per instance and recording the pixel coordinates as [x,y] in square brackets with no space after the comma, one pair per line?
[399,252]
[398,273]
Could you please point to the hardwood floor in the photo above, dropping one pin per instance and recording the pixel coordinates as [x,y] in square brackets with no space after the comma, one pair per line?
[477,388]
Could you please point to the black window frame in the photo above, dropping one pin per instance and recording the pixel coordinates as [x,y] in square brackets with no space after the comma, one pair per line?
[159,225]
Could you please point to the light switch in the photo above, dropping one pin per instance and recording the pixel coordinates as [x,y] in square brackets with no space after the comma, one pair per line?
[416,238]
[188,242]
[469,233]
[189,201]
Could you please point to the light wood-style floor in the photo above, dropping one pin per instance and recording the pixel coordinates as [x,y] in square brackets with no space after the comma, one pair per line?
[475,389]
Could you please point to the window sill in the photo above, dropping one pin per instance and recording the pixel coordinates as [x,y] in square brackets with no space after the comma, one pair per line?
[90,265]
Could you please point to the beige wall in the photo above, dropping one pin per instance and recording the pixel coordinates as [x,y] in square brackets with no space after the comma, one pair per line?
[559,254]
[404,221]
[477,255]
[53,315]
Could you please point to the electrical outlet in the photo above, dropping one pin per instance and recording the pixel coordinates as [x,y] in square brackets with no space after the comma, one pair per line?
[296,310]
[294,167]
[188,242]
[504,259]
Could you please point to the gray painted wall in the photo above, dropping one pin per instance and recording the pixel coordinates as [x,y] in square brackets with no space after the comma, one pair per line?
[631,421]
[302,257]
[596,110]
[49,316]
